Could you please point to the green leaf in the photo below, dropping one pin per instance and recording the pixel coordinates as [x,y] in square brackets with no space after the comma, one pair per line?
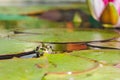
[11,46]
[35,69]
[64,35]
[102,73]
[104,56]
[4,32]
[21,69]
[67,63]
[75,65]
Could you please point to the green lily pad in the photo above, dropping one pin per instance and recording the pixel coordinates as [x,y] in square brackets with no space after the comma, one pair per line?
[21,69]
[64,63]
[107,72]
[64,35]
[102,73]
[111,57]
[35,69]
[57,67]
[11,46]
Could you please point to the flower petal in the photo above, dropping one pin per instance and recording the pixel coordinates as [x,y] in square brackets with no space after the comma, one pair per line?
[107,1]
[96,8]
[117,5]
[110,15]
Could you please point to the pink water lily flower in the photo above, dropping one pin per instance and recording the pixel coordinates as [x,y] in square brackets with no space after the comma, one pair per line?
[106,11]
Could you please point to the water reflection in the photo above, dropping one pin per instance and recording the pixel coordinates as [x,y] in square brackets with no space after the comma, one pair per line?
[29,56]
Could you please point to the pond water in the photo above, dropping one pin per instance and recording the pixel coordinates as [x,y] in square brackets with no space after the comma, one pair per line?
[50,50]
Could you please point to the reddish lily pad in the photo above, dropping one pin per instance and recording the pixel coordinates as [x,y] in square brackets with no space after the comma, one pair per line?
[112,45]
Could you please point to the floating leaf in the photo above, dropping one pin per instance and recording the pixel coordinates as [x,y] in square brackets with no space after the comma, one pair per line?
[63,35]
[4,32]
[21,69]
[105,45]
[65,63]
[103,56]
[108,72]
[75,65]
[11,46]
[34,69]
[102,73]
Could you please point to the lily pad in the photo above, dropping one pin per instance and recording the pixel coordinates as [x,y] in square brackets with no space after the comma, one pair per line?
[102,73]
[70,64]
[62,35]
[5,33]
[21,69]
[107,57]
[112,45]
[36,68]
[107,72]
[58,67]
[11,46]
